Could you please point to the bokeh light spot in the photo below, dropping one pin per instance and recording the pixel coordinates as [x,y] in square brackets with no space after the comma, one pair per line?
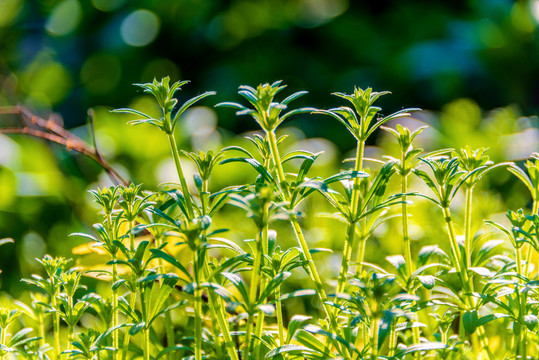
[64,18]
[9,9]
[312,13]
[108,5]
[160,68]
[100,73]
[140,28]
[46,81]
[490,35]
[522,17]
[535,10]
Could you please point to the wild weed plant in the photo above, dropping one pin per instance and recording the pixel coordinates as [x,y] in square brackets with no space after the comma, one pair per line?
[177,286]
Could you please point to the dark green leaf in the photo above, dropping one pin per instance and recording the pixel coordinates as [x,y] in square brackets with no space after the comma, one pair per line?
[469,320]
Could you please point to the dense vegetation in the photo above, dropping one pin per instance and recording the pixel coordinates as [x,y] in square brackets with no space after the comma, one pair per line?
[173,280]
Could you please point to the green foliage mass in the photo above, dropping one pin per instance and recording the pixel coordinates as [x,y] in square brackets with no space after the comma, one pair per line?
[255,252]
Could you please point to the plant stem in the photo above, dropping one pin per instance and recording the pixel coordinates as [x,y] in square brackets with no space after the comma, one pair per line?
[360,256]
[259,326]
[169,328]
[313,272]
[468,242]
[127,336]
[260,319]
[455,252]
[115,337]
[374,334]
[185,188]
[462,270]
[3,339]
[280,322]
[215,330]
[392,339]
[535,209]
[146,329]
[405,233]
[41,321]
[522,338]
[347,254]
[255,273]
[217,309]
[468,237]
[350,233]
[115,334]
[408,248]
[362,224]
[71,327]
[56,324]
[133,298]
[198,307]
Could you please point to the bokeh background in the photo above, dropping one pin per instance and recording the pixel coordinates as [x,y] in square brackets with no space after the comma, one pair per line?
[472,65]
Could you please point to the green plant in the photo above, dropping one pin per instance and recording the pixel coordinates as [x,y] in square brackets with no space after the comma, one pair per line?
[361,123]
[207,271]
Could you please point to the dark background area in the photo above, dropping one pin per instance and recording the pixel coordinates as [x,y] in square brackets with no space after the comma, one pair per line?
[427,54]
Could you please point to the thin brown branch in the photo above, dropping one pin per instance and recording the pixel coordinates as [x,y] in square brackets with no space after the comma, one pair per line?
[57,134]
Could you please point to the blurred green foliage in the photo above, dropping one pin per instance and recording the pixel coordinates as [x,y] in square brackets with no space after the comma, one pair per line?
[66,56]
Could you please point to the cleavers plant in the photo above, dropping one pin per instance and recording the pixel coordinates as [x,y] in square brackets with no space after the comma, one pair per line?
[172,283]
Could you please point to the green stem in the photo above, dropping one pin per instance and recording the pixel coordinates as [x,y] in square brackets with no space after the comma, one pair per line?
[219,313]
[169,327]
[127,336]
[522,338]
[455,252]
[535,209]
[408,248]
[280,322]
[359,167]
[313,272]
[468,242]
[212,301]
[146,330]
[255,274]
[115,310]
[405,233]
[259,327]
[374,334]
[356,205]
[392,339]
[3,339]
[360,256]
[133,299]
[467,257]
[185,189]
[316,278]
[215,330]
[350,233]
[71,327]
[56,324]
[198,307]
[71,337]
[444,341]
[466,281]
[347,254]
[115,335]
[215,302]
[41,321]
[468,236]
[260,318]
